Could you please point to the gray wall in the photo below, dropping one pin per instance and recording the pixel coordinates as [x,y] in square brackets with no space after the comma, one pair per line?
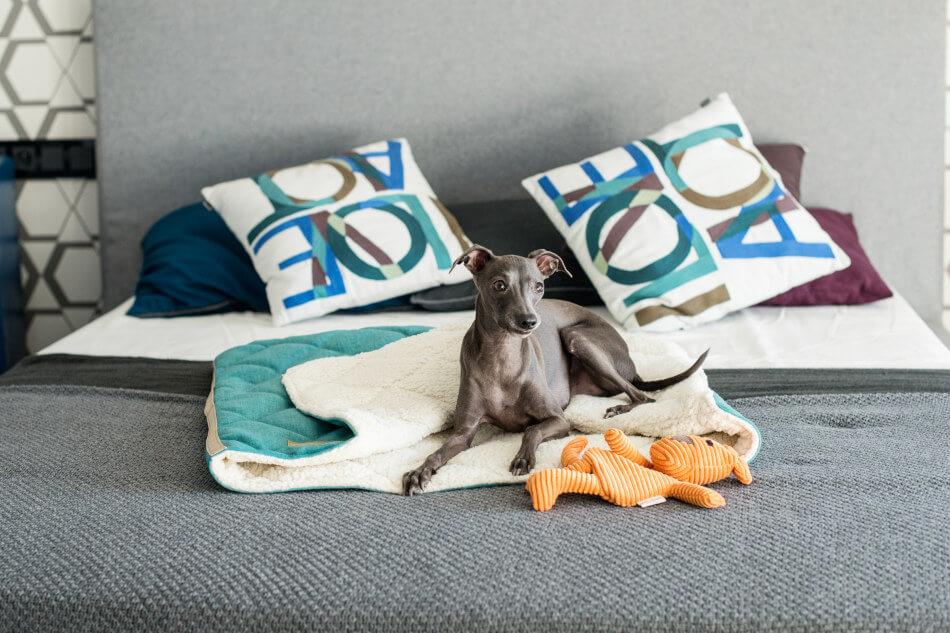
[195,91]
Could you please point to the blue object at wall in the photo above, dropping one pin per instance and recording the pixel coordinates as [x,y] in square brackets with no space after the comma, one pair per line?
[12,341]
[191,265]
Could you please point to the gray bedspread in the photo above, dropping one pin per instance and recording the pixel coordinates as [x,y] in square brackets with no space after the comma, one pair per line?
[110,521]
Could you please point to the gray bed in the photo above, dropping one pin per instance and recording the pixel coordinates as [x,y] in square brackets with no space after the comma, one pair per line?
[109,519]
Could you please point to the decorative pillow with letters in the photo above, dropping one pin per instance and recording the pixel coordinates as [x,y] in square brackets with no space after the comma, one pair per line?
[341,232]
[686,225]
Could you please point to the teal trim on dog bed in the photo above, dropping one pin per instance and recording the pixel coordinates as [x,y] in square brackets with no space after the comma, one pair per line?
[254,413]
[254,426]
[728,408]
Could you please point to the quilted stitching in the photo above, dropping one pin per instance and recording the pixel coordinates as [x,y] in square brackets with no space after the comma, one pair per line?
[253,410]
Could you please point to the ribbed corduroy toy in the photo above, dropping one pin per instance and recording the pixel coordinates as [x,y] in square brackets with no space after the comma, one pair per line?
[619,476]
[697,460]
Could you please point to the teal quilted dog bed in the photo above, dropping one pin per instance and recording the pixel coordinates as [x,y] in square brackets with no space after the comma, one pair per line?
[358,408]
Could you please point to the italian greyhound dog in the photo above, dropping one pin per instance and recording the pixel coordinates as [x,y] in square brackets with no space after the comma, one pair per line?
[525,357]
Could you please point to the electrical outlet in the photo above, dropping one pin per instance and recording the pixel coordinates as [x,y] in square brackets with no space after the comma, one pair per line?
[52,159]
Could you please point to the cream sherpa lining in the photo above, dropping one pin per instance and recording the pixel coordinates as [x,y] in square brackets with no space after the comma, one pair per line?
[399,399]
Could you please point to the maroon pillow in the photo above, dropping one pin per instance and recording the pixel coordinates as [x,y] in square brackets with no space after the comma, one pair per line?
[786,159]
[858,283]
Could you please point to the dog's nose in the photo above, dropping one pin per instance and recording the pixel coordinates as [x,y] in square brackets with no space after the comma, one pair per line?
[528,321]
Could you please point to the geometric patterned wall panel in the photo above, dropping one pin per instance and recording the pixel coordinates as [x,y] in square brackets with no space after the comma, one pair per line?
[59,256]
[46,70]
[47,91]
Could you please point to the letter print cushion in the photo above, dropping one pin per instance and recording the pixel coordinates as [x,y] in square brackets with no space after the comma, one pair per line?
[341,232]
[686,225]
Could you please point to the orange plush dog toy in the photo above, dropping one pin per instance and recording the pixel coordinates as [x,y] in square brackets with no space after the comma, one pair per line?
[622,476]
[698,460]
[619,476]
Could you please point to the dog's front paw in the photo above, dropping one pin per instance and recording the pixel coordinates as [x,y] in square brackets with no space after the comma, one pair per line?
[416,480]
[522,464]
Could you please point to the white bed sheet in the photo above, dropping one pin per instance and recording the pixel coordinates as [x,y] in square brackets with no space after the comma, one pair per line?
[887,333]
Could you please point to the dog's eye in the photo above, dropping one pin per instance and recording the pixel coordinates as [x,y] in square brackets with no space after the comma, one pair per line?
[538,287]
[500,286]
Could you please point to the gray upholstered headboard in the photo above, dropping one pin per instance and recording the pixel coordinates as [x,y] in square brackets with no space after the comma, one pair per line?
[191,92]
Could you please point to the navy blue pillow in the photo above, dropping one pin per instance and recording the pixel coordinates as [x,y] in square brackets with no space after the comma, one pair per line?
[192,264]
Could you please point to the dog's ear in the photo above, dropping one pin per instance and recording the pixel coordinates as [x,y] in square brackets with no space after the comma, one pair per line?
[548,262]
[474,258]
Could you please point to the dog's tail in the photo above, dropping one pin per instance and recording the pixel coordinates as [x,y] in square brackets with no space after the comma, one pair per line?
[663,383]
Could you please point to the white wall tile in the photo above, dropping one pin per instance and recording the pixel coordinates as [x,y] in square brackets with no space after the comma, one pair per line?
[73,230]
[41,208]
[82,71]
[25,25]
[65,15]
[73,273]
[6,8]
[42,298]
[66,95]
[30,118]
[87,207]
[39,252]
[7,131]
[71,188]
[70,124]
[33,72]
[63,48]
